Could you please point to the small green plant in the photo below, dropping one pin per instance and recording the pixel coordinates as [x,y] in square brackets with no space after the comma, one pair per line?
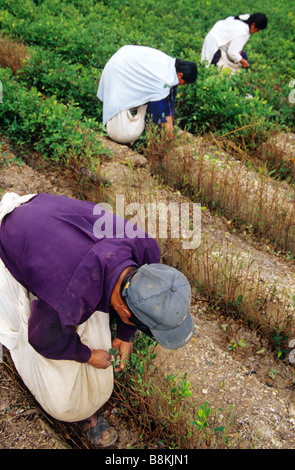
[208,424]
[162,407]
[116,357]
[203,414]
[174,394]
[273,372]
[280,343]
[179,389]
[237,306]
[233,347]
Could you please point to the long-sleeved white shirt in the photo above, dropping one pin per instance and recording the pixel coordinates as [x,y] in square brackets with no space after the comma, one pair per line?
[230,35]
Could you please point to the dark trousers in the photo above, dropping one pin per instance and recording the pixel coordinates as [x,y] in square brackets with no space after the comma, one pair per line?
[217,56]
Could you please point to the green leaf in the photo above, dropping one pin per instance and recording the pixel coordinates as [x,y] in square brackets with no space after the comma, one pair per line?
[261,351]
[272,373]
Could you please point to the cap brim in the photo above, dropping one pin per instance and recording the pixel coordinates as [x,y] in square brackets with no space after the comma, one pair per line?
[176,337]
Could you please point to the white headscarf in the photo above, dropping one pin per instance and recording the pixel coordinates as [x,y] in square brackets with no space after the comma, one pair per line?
[133,76]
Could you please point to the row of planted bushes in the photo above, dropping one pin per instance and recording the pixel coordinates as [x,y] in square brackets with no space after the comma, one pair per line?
[52,75]
[58,131]
[217,105]
[75,38]
[73,83]
[251,200]
[68,82]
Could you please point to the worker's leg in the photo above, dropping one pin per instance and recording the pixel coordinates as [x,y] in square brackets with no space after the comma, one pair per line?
[67,390]
[224,62]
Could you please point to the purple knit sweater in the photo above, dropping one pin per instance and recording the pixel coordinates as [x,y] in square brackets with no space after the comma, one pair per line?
[50,247]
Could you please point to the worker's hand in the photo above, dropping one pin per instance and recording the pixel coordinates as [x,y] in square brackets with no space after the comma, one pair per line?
[244,63]
[125,349]
[100,359]
[169,127]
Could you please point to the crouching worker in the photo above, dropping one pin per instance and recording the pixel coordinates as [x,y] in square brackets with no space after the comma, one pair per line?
[138,80]
[223,45]
[68,269]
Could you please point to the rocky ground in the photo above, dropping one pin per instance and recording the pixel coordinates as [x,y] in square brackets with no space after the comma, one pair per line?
[227,364]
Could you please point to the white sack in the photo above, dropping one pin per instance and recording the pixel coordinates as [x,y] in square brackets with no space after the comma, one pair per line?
[133,76]
[126,128]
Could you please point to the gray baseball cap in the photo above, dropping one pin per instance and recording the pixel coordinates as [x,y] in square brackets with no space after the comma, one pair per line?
[159,296]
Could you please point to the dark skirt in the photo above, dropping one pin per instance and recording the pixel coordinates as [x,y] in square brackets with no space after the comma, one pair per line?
[217,56]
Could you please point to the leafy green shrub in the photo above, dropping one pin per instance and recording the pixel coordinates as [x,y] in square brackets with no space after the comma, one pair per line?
[56,130]
[163,410]
[68,82]
[218,103]
[87,33]
[59,27]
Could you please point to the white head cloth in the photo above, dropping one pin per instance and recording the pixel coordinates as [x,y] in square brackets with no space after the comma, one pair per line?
[133,76]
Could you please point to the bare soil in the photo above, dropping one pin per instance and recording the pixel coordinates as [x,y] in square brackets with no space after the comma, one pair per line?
[228,365]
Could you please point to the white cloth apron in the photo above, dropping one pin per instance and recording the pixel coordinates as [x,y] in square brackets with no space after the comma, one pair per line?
[66,390]
[225,63]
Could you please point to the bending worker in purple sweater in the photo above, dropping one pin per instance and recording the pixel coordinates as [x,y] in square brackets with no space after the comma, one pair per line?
[67,270]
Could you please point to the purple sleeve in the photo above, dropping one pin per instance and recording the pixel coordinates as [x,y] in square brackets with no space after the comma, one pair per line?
[47,337]
[124,332]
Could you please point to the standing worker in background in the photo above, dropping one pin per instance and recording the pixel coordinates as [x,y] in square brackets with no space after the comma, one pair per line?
[223,45]
[140,80]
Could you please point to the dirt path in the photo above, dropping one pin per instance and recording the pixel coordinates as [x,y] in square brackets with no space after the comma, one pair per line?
[228,365]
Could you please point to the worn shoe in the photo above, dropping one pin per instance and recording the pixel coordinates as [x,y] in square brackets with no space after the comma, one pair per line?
[102,434]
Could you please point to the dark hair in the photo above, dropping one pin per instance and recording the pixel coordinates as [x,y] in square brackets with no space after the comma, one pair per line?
[259,19]
[139,325]
[130,270]
[188,69]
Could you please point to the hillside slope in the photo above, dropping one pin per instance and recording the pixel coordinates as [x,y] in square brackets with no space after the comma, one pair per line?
[236,379]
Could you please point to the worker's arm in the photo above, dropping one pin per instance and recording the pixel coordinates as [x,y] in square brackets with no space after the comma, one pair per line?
[234,50]
[49,339]
[100,359]
[124,349]
[244,63]
[169,127]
